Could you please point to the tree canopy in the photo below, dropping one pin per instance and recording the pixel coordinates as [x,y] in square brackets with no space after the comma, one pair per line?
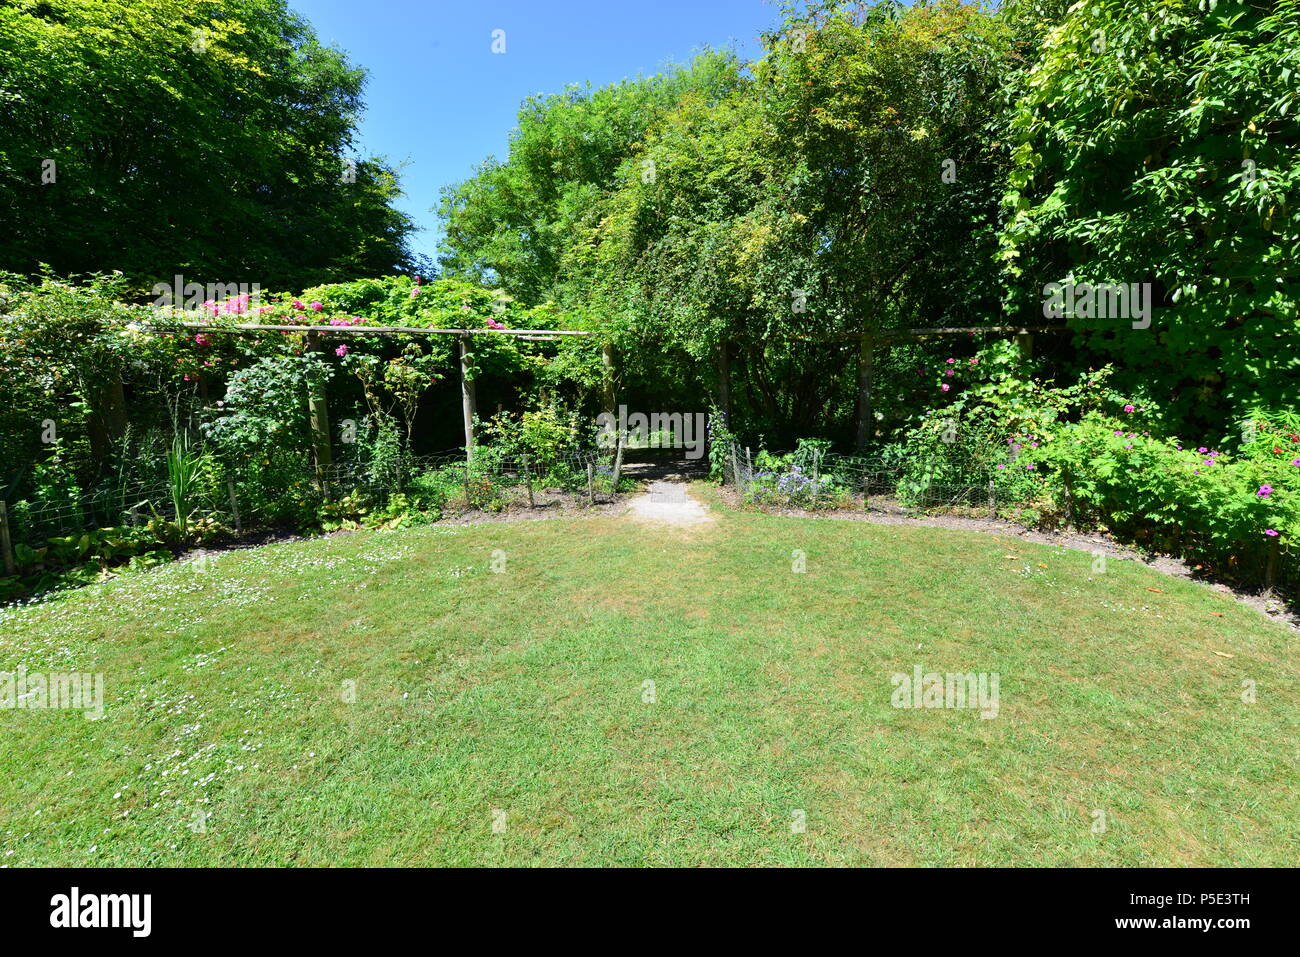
[210,139]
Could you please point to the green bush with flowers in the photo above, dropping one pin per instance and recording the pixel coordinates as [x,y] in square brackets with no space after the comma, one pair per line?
[1237,513]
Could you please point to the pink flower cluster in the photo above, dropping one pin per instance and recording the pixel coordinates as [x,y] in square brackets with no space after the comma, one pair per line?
[237,305]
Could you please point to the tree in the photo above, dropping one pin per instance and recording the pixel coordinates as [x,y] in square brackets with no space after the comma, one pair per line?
[512,222]
[1157,144]
[851,186]
[164,136]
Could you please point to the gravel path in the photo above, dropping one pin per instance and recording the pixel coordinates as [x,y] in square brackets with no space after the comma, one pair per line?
[668,503]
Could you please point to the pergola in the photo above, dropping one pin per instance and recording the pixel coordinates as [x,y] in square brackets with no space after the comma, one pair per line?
[868,341]
[320,422]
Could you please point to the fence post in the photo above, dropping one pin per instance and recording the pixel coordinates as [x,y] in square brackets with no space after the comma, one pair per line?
[1270,569]
[817,459]
[591,483]
[1069,501]
[618,461]
[528,481]
[735,471]
[468,399]
[318,409]
[234,505]
[6,546]
[993,499]
[749,463]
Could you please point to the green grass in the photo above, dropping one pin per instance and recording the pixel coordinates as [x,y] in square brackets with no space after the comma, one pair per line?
[522,691]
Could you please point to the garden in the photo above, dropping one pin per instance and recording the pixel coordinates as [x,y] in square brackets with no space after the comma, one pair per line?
[1029,269]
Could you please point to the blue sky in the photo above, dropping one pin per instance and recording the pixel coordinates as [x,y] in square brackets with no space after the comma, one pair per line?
[439,100]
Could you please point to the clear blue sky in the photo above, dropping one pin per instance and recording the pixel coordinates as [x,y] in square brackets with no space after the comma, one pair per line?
[439,100]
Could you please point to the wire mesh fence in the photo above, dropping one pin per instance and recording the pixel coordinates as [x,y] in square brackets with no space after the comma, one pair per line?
[238,498]
[819,479]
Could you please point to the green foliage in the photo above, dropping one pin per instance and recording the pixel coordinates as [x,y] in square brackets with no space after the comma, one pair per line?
[1225,510]
[264,411]
[1157,142]
[544,434]
[186,470]
[233,105]
[515,219]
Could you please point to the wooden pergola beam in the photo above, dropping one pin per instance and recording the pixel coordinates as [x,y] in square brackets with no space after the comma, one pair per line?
[383,330]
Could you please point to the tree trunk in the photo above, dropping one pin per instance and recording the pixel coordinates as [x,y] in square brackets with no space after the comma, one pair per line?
[107,422]
[468,400]
[866,423]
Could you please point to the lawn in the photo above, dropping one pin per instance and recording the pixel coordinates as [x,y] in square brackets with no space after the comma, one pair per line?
[386,697]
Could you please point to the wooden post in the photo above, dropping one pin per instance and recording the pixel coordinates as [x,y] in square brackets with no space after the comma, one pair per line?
[866,350]
[6,546]
[234,505]
[1025,342]
[735,471]
[1270,569]
[749,462]
[817,459]
[320,423]
[528,481]
[591,483]
[618,461]
[607,362]
[993,500]
[467,398]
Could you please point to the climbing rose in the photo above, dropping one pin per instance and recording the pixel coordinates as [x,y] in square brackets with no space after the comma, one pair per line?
[944,387]
[1129,408]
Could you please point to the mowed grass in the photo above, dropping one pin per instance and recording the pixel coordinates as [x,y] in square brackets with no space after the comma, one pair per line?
[521,696]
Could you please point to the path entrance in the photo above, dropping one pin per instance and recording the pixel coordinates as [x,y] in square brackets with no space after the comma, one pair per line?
[667,499]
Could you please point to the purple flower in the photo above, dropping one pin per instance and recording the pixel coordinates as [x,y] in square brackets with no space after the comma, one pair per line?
[1129,408]
[1265,491]
[1271,532]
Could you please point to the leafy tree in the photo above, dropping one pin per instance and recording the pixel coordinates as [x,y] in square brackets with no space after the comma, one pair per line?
[1157,143]
[167,136]
[851,186]
[512,221]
